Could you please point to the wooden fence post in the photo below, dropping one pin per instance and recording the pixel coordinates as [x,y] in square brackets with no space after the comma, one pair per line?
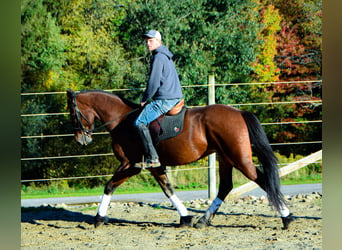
[212,157]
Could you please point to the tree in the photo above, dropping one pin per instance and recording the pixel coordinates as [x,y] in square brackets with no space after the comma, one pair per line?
[205,36]
[265,67]
[300,39]
[65,45]
[95,58]
[97,44]
[41,46]
[298,57]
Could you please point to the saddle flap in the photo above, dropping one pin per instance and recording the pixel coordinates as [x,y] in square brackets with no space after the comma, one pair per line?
[177,108]
[167,126]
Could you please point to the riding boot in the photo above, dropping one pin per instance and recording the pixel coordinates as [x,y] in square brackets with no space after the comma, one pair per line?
[150,153]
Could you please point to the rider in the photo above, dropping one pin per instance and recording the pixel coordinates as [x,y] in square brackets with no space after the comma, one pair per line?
[163,87]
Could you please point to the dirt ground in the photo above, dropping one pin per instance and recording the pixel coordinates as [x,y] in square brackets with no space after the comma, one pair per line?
[245,223]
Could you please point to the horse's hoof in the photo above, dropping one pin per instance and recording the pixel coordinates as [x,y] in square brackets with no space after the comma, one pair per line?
[186,221]
[287,220]
[202,222]
[100,220]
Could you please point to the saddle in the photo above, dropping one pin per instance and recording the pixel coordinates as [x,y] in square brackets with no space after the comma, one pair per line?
[168,125]
[177,108]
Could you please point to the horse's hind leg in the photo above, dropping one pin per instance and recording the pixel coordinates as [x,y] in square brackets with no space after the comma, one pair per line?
[123,173]
[284,211]
[225,186]
[250,171]
[160,175]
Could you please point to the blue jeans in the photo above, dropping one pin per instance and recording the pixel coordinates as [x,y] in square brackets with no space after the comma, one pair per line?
[155,109]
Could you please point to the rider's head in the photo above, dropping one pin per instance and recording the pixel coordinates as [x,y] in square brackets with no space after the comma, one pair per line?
[153,40]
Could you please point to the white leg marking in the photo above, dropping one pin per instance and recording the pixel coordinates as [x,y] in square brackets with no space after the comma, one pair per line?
[179,205]
[213,207]
[284,211]
[105,200]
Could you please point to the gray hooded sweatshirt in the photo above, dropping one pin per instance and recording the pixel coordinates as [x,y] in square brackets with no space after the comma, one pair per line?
[163,82]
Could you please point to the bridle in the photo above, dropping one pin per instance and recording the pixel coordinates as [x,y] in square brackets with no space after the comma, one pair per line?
[79,114]
[81,127]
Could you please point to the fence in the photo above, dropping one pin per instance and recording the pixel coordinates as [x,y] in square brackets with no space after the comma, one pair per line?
[211,90]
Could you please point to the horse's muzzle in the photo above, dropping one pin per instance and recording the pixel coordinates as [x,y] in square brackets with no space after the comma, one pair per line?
[83,138]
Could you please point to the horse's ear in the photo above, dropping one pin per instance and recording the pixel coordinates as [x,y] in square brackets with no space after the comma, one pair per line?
[69,93]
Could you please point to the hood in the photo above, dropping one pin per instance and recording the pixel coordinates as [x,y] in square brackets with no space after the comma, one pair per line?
[164,50]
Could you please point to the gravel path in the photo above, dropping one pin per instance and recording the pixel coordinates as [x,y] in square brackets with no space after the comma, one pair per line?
[246,223]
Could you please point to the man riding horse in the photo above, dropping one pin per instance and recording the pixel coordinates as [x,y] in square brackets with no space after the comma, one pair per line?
[163,87]
[219,128]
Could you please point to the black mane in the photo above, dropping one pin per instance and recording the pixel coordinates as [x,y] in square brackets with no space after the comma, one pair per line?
[128,102]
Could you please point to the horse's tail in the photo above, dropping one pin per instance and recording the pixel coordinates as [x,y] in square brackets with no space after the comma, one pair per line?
[266,157]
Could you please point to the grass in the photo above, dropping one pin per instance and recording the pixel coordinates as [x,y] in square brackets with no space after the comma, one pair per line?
[45,192]
[304,180]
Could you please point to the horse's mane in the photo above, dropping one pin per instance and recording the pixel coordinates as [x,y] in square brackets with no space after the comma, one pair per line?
[128,102]
[121,96]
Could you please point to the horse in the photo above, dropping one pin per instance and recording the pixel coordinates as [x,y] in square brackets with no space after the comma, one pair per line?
[228,131]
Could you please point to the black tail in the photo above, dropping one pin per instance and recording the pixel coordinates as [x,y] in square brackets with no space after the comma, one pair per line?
[266,157]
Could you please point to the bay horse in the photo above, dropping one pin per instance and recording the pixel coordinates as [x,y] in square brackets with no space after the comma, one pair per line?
[228,131]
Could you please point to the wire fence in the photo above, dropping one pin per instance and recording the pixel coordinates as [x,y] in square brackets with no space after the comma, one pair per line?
[187,86]
[42,136]
[143,172]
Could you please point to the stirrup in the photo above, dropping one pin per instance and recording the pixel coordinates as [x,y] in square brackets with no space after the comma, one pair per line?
[153,164]
[147,164]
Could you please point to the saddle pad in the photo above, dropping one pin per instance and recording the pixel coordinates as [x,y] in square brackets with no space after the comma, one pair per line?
[167,126]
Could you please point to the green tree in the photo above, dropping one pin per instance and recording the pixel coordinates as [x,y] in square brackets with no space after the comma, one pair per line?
[205,36]
[66,44]
[41,55]
[265,67]
[41,46]
[95,58]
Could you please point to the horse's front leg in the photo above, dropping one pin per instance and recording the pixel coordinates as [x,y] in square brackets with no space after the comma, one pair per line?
[124,172]
[160,175]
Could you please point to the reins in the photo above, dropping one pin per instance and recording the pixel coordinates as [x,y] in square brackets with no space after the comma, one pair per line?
[79,113]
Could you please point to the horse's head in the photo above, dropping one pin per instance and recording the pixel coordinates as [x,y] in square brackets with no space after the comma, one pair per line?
[81,118]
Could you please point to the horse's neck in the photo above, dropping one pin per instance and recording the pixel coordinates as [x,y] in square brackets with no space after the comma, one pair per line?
[109,108]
